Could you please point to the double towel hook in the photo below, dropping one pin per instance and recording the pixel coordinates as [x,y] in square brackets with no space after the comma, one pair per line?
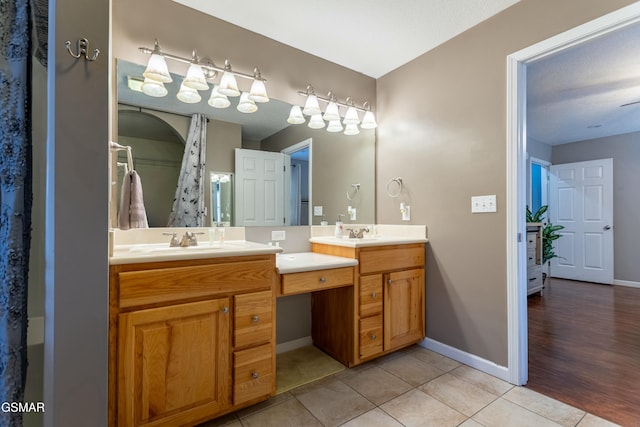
[82,47]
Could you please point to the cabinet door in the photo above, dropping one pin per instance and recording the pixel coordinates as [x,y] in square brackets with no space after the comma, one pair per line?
[403,308]
[174,363]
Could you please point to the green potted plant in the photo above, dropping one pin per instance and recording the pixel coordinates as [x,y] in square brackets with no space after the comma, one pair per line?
[549,233]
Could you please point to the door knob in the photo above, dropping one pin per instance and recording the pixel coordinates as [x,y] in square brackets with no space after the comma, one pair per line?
[607,227]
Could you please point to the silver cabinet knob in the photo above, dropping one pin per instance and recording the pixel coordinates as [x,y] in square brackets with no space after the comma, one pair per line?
[373,337]
[225,310]
[255,375]
[374,295]
[255,319]
[323,280]
[389,281]
[607,227]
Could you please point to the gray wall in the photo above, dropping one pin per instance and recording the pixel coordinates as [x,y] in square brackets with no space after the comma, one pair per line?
[442,128]
[625,151]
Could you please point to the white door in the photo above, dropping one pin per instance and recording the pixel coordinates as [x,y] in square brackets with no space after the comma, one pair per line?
[260,188]
[581,200]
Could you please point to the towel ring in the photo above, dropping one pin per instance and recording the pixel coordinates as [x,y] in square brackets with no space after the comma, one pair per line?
[395,194]
[355,190]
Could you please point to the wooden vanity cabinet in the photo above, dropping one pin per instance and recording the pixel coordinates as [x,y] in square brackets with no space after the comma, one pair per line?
[190,340]
[389,298]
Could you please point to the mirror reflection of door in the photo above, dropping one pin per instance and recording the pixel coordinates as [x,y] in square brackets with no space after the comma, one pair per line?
[221,199]
[157,150]
[299,194]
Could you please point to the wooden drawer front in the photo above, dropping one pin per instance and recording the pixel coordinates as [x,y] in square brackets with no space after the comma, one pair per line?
[531,240]
[253,375]
[317,280]
[534,276]
[370,295]
[532,259]
[391,258]
[253,315]
[182,283]
[370,336]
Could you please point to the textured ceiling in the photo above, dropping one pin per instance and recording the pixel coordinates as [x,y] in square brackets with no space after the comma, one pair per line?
[372,37]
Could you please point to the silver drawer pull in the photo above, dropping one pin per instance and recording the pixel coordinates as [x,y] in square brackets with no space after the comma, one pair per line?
[255,319]
[389,281]
[374,295]
[323,280]
[532,279]
[225,310]
[373,337]
[254,375]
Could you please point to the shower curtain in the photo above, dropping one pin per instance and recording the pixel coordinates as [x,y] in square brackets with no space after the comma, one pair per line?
[188,203]
[15,200]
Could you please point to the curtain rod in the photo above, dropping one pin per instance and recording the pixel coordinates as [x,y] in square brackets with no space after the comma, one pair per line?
[139,108]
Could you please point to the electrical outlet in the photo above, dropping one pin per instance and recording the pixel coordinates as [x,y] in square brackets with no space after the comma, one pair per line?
[278,235]
[483,204]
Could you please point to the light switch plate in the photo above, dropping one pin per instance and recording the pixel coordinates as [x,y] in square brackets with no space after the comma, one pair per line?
[317,211]
[483,204]
[278,235]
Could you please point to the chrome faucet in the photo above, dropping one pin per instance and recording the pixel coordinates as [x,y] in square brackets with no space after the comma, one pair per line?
[189,239]
[357,234]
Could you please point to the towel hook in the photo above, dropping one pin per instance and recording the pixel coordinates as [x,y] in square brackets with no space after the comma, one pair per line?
[82,47]
[356,189]
[395,194]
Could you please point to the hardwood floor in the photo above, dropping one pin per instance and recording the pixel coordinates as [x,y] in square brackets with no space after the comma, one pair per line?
[584,348]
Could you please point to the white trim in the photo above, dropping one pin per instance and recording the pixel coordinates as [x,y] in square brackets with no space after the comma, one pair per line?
[626,283]
[516,147]
[293,345]
[468,359]
[297,147]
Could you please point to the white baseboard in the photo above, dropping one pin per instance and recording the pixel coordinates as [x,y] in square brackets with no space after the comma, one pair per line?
[626,283]
[469,359]
[35,331]
[292,345]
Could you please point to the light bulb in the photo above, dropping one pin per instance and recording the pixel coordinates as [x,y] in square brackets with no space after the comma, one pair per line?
[316,122]
[228,85]
[311,106]
[195,78]
[188,95]
[331,113]
[351,130]
[368,121]
[351,117]
[157,69]
[153,88]
[246,105]
[218,100]
[295,116]
[258,92]
[334,126]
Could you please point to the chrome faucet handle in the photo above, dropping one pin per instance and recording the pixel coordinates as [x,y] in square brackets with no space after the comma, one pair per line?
[352,233]
[361,232]
[189,239]
[174,242]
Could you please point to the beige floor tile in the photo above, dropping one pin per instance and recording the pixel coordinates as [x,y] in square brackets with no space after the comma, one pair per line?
[470,423]
[275,400]
[229,420]
[351,372]
[435,359]
[290,413]
[411,370]
[503,413]
[462,396]
[488,382]
[373,418]
[416,408]
[549,408]
[332,401]
[590,420]
[377,385]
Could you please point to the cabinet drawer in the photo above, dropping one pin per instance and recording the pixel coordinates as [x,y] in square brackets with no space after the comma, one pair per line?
[253,375]
[532,258]
[380,259]
[370,295]
[532,240]
[310,281]
[370,336]
[534,276]
[253,315]
[163,285]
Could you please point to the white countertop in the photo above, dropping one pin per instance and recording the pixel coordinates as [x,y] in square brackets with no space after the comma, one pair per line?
[367,241]
[310,261]
[154,252]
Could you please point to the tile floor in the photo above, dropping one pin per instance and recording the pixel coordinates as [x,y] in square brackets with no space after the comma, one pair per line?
[412,387]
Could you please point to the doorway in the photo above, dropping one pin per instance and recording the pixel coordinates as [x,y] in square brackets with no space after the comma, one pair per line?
[516,173]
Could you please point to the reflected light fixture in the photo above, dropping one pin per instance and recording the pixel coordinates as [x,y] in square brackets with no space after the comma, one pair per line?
[196,79]
[218,100]
[188,95]
[332,113]
[246,105]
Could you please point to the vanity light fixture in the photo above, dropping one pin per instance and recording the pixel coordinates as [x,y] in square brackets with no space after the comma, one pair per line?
[201,70]
[332,113]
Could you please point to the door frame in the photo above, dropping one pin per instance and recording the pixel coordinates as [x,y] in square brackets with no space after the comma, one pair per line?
[517,169]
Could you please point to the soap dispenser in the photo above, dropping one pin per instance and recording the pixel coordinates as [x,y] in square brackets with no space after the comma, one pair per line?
[339,227]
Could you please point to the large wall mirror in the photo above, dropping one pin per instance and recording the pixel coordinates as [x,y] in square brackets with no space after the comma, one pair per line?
[323,166]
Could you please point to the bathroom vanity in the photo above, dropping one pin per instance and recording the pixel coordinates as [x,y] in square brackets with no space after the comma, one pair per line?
[190,339]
